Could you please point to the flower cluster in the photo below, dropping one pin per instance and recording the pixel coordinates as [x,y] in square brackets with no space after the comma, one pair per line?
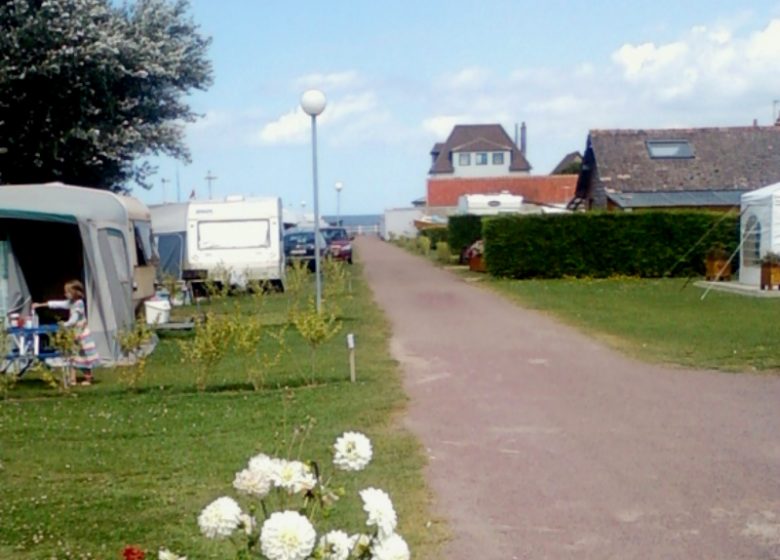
[290,534]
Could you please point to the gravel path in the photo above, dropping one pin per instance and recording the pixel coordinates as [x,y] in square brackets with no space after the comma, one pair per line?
[545,444]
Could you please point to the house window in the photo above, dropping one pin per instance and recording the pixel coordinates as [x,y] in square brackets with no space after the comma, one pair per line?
[481,158]
[498,158]
[669,149]
[751,242]
[464,159]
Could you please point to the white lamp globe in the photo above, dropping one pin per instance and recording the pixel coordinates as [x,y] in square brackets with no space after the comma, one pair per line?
[313,102]
[338,186]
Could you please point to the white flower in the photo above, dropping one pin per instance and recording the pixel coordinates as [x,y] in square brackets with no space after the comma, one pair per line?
[166,554]
[379,508]
[253,482]
[352,452]
[262,463]
[393,547]
[287,535]
[293,476]
[334,546]
[220,518]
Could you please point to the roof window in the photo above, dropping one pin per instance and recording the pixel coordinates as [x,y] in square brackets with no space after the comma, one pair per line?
[669,149]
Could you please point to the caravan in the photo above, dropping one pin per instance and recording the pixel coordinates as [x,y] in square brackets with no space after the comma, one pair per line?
[205,240]
[53,233]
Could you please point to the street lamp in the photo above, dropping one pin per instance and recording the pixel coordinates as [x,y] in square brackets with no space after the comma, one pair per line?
[338,186]
[313,103]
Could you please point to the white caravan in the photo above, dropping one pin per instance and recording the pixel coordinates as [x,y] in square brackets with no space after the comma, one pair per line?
[237,239]
[490,204]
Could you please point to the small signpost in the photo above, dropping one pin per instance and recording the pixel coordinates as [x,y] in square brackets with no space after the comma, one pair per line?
[351,348]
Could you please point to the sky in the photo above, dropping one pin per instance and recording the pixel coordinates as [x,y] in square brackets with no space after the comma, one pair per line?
[398,75]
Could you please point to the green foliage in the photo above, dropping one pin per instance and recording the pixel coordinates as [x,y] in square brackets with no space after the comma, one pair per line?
[131,343]
[435,234]
[88,88]
[65,341]
[443,253]
[207,348]
[249,335]
[315,328]
[424,245]
[464,230]
[600,245]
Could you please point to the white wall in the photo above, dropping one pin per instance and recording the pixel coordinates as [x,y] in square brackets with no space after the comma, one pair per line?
[489,170]
[400,222]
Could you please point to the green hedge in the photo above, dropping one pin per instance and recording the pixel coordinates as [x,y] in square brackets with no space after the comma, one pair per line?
[436,235]
[464,230]
[647,244]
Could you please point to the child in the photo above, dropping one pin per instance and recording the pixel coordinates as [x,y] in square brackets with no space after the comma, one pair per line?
[88,356]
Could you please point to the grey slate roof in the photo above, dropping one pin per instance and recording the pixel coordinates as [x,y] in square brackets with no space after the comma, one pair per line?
[476,138]
[675,199]
[738,158]
[567,161]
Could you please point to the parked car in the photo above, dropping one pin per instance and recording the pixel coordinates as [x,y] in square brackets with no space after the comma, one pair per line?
[299,247]
[339,243]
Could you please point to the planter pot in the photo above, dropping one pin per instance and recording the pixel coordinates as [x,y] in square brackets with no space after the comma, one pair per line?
[770,275]
[477,263]
[718,269]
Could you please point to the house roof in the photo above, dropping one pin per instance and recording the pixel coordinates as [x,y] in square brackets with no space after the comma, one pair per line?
[566,163]
[535,189]
[738,158]
[675,199]
[476,138]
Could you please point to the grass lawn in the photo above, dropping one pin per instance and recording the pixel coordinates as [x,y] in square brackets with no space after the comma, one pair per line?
[663,320]
[86,472]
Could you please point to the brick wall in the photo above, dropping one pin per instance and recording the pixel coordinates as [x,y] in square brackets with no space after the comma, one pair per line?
[539,189]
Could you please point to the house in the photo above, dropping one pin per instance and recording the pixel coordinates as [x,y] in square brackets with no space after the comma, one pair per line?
[483,159]
[676,168]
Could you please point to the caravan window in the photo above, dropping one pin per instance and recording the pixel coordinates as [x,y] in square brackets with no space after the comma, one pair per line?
[234,234]
[142,231]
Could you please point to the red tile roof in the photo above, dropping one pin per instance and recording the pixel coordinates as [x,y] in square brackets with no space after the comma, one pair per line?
[539,189]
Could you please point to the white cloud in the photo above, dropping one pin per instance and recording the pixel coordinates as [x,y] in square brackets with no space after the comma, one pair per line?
[473,77]
[646,60]
[329,83]
[290,128]
[441,126]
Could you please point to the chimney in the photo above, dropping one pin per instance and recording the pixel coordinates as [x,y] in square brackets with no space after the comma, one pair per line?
[755,123]
[522,139]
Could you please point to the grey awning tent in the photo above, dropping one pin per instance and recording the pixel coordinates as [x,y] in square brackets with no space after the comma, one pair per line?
[53,233]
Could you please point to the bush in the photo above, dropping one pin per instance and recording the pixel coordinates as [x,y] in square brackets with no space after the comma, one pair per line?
[647,244]
[435,234]
[463,231]
[443,253]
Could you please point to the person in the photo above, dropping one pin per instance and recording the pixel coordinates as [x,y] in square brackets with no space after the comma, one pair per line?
[87,357]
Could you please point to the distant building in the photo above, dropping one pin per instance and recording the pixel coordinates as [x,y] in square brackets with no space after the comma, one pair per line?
[483,159]
[676,168]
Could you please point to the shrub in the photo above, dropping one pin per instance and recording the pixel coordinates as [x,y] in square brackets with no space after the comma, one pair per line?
[647,244]
[443,253]
[435,234]
[463,231]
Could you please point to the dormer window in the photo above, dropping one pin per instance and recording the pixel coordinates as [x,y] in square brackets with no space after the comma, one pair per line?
[498,158]
[464,159]
[669,149]
[481,158]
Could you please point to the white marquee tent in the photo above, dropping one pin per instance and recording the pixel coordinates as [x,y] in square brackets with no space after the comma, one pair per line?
[760,231]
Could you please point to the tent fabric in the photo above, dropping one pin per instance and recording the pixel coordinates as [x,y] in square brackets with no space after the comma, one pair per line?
[103,224]
[760,230]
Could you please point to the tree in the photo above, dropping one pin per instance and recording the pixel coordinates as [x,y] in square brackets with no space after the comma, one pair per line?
[87,88]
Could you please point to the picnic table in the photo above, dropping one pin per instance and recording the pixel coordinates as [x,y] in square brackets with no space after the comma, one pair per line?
[25,345]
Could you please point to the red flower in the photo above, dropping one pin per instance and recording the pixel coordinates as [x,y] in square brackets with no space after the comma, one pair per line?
[133,553]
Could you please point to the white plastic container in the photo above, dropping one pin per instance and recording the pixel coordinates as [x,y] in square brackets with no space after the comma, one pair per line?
[158,311]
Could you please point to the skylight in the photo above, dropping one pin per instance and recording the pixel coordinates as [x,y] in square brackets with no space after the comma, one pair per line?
[669,149]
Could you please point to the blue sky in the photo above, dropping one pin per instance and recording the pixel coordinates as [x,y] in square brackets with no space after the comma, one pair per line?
[398,75]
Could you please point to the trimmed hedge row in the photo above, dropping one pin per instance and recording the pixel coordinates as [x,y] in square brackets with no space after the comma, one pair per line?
[647,244]
[463,231]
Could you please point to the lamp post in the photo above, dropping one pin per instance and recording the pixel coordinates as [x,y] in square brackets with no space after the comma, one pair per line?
[338,186]
[313,104]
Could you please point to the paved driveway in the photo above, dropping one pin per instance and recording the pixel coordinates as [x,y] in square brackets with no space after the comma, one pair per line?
[545,444]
